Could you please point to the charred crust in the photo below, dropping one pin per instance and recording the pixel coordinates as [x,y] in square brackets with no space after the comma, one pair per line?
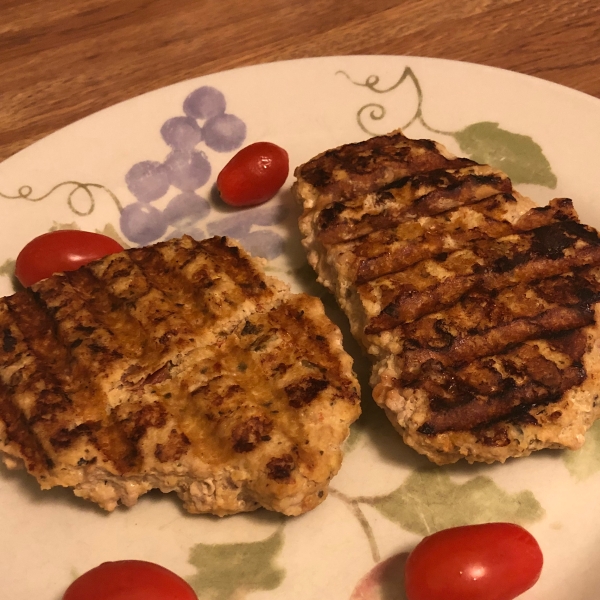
[374,163]
[174,448]
[512,403]
[426,429]
[280,468]
[281,368]
[305,391]
[137,423]
[246,436]
[328,216]
[17,431]
[251,328]
[165,337]
[158,376]
[551,241]
[8,340]
[231,260]
[65,438]
[49,404]
[496,437]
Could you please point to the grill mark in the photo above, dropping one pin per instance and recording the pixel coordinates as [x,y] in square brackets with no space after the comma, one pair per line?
[559,209]
[148,305]
[391,250]
[49,377]
[110,311]
[432,244]
[504,407]
[17,432]
[479,311]
[508,385]
[89,340]
[38,329]
[238,267]
[119,437]
[491,273]
[294,329]
[304,392]
[381,161]
[411,303]
[191,302]
[405,200]
[8,341]
[165,267]
[221,278]
[66,438]
[498,340]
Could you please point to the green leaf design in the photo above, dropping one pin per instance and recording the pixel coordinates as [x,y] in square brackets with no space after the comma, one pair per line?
[583,463]
[8,268]
[111,232]
[56,226]
[517,155]
[356,434]
[429,501]
[226,571]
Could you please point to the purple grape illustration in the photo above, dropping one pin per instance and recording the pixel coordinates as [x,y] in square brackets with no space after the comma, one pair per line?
[224,133]
[238,225]
[147,180]
[184,171]
[185,210]
[270,214]
[187,171]
[204,103]
[181,133]
[264,243]
[234,226]
[142,223]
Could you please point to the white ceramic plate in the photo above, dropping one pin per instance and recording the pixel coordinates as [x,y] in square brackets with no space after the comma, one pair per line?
[386,497]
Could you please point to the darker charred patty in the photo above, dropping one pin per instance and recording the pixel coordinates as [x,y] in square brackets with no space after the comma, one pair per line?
[478,309]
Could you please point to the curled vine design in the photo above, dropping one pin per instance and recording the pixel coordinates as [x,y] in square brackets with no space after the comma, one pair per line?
[376,112]
[353,504]
[516,154]
[25,192]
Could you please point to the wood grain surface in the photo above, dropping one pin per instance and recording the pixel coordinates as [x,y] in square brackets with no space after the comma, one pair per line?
[61,60]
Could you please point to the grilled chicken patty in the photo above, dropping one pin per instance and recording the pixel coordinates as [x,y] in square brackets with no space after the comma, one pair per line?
[478,309]
[178,366]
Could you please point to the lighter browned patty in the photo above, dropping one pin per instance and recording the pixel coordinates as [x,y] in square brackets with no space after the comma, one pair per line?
[179,366]
[477,309]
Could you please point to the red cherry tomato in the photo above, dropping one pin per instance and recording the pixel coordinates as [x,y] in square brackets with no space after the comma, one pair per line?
[254,175]
[495,561]
[60,251]
[129,580]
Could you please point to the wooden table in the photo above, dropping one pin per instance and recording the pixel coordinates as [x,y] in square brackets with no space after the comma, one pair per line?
[61,60]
